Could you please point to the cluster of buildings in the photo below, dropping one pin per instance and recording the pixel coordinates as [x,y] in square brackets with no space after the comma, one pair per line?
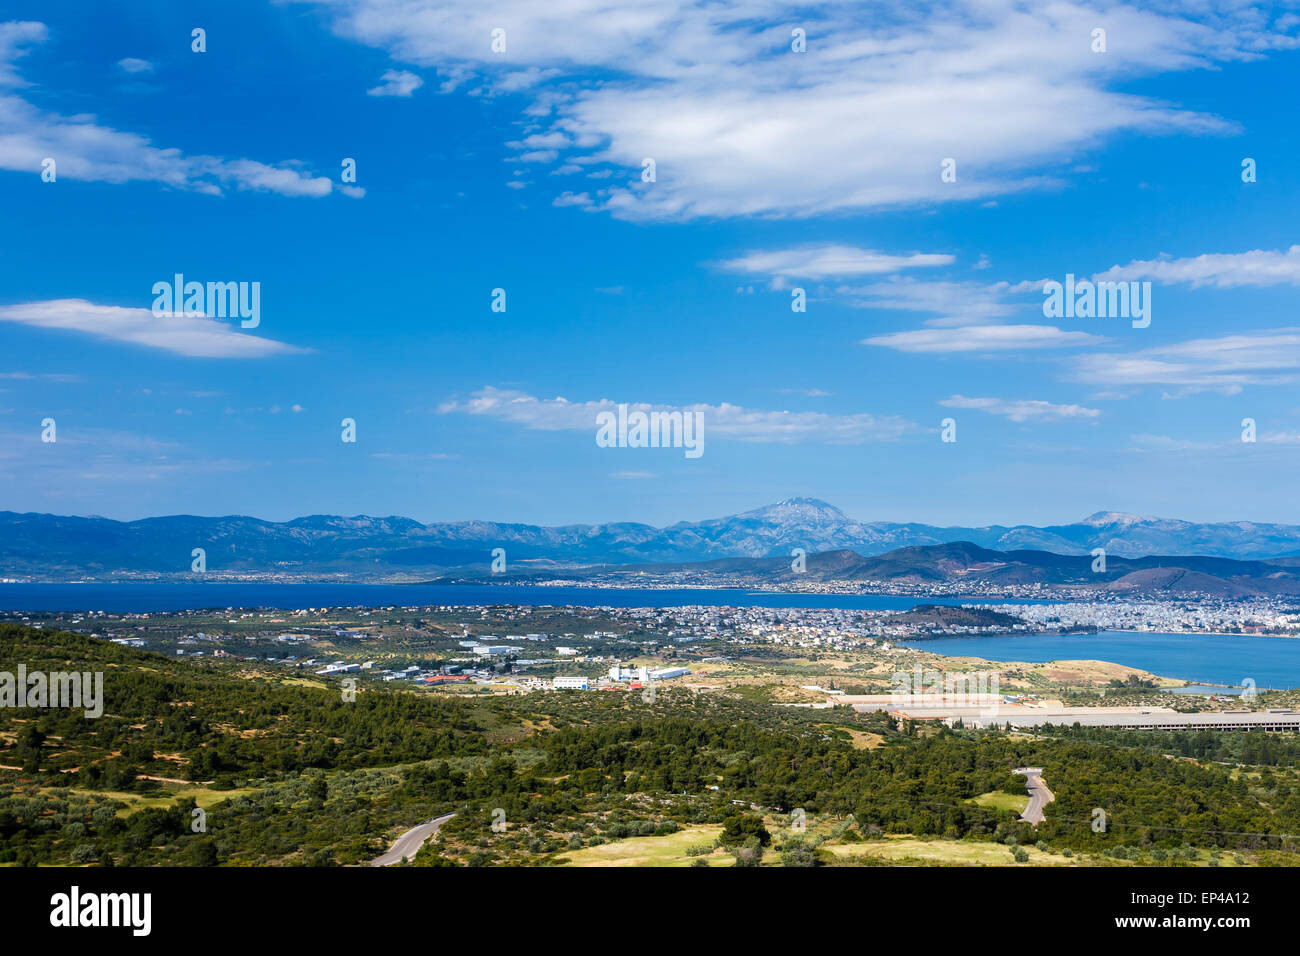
[643,674]
[831,628]
[1206,616]
[621,674]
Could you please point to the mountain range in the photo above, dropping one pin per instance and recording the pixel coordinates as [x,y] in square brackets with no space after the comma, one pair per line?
[966,564]
[53,548]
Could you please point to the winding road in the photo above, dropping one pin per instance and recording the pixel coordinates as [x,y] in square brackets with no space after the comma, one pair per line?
[409,843]
[1039,795]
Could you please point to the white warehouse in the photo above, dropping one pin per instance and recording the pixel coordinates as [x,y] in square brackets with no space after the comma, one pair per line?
[569,683]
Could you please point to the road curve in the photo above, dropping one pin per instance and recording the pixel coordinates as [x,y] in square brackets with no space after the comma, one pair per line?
[409,843]
[1039,796]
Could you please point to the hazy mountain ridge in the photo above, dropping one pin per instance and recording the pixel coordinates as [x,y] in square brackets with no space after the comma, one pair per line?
[963,561]
[54,547]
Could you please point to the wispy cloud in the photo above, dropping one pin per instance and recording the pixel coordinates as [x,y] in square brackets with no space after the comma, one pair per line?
[1258,267]
[196,337]
[396,83]
[725,420]
[983,338]
[953,303]
[567,198]
[131,64]
[1224,364]
[61,378]
[741,126]
[829,262]
[83,149]
[1021,410]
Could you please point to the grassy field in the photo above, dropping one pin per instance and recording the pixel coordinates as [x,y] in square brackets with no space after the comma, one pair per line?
[667,850]
[918,852]
[203,797]
[998,800]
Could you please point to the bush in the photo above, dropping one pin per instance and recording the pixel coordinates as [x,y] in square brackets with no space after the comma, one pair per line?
[797,853]
[84,853]
[738,828]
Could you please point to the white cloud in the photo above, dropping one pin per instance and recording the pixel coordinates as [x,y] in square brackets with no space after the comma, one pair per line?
[828,262]
[198,337]
[60,377]
[523,79]
[958,303]
[1224,364]
[1021,410]
[85,150]
[567,198]
[541,141]
[983,338]
[1258,267]
[15,37]
[739,125]
[396,83]
[132,64]
[725,420]
[1149,442]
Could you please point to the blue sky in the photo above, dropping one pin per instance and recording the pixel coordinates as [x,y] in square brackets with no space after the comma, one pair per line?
[522,170]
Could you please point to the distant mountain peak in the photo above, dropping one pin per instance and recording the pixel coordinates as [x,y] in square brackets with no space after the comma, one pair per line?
[799,506]
[1100,518]
[50,547]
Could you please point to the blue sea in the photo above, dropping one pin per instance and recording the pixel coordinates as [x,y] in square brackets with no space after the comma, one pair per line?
[149,597]
[1271,662]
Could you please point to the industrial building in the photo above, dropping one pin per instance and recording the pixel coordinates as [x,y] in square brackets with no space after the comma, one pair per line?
[619,673]
[569,683]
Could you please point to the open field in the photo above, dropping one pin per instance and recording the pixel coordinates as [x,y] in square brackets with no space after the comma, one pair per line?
[998,800]
[667,850]
[203,797]
[919,852]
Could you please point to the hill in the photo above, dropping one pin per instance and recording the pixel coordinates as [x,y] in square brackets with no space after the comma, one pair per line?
[329,547]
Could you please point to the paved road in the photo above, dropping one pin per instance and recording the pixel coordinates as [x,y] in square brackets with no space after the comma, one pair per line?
[1039,796]
[410,842]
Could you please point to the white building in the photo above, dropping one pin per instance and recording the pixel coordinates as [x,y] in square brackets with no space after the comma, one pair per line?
[339,668]
[494,650]
[667,673]
[569,683]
